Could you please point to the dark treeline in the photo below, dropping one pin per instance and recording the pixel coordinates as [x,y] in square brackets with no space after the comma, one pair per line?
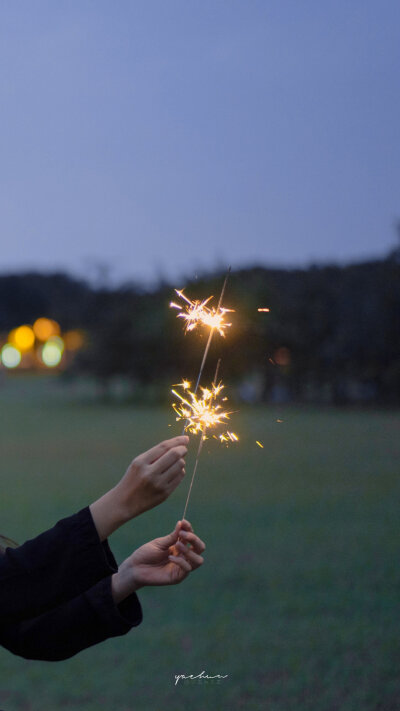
[332,333]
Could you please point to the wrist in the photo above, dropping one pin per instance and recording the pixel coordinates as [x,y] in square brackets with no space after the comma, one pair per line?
[123,584]
[128,503]
[108,513]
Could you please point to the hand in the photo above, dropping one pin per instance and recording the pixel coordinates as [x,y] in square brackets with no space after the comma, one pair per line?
[153,476]
[164,561]
[149,480]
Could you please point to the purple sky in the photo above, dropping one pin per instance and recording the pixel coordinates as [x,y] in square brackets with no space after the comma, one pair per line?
[164,136]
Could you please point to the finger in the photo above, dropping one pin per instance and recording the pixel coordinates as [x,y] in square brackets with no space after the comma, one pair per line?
[174,482]
[174,472]
[182,562]
[168,459]
[189,537]
[164,542]
[194,558]
[185,524]
[156,452]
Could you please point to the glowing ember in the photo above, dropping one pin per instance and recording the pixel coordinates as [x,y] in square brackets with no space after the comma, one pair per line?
[265,310]
[197,313]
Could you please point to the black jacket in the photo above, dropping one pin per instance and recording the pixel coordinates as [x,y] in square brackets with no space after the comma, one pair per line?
[55,593]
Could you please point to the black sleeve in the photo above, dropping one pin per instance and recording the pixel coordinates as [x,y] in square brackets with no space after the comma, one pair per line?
[77,624]
[52,568]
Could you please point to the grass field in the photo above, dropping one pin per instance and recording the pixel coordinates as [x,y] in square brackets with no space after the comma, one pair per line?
[299,598]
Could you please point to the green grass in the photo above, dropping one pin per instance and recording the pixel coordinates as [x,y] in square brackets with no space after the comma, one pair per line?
[298,601]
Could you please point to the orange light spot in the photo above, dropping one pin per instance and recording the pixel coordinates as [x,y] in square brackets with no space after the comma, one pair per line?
[282,356]
[44,328]
[73,340]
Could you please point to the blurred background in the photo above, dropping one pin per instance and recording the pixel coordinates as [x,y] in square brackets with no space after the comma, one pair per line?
[148,147]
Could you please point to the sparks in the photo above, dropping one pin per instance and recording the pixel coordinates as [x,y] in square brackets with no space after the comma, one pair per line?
[266,310]
[259,444]
[197,313]
[202,412]
[185,384]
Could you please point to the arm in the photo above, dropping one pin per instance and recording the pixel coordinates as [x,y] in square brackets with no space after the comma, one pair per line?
[111,607]
[79,623]
[69,558]
[54,567]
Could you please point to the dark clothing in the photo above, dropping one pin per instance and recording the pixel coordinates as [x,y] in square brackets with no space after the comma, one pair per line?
[55,593]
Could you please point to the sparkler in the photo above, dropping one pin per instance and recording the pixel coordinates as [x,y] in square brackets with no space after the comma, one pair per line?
[200,414]
[197,313]
[204,412]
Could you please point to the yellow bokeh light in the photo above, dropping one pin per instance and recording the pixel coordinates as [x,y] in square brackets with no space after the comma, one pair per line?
[10,356]
[44,328]
[52,352]
[22,338]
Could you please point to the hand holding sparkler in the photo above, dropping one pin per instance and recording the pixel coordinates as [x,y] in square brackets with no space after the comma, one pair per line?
[163,561]
[149,480]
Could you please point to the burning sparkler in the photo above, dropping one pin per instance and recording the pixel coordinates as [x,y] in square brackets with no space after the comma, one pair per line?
[200,414]
[197,313]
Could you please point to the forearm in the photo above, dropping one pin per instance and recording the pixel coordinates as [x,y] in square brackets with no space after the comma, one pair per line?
[76,625]
[55,566]
[108,513]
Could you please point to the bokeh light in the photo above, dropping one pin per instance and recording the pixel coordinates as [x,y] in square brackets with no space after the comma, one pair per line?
[38,345]
[10,356]
[52,352]
[22,338]
[44,328]
[73,340]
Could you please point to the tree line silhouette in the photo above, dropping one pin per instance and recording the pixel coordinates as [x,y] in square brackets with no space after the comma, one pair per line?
[332,333]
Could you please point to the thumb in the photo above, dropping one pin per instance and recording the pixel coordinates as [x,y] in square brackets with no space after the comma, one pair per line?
[166,541]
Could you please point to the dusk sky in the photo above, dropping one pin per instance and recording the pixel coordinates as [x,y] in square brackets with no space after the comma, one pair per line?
[166,136]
